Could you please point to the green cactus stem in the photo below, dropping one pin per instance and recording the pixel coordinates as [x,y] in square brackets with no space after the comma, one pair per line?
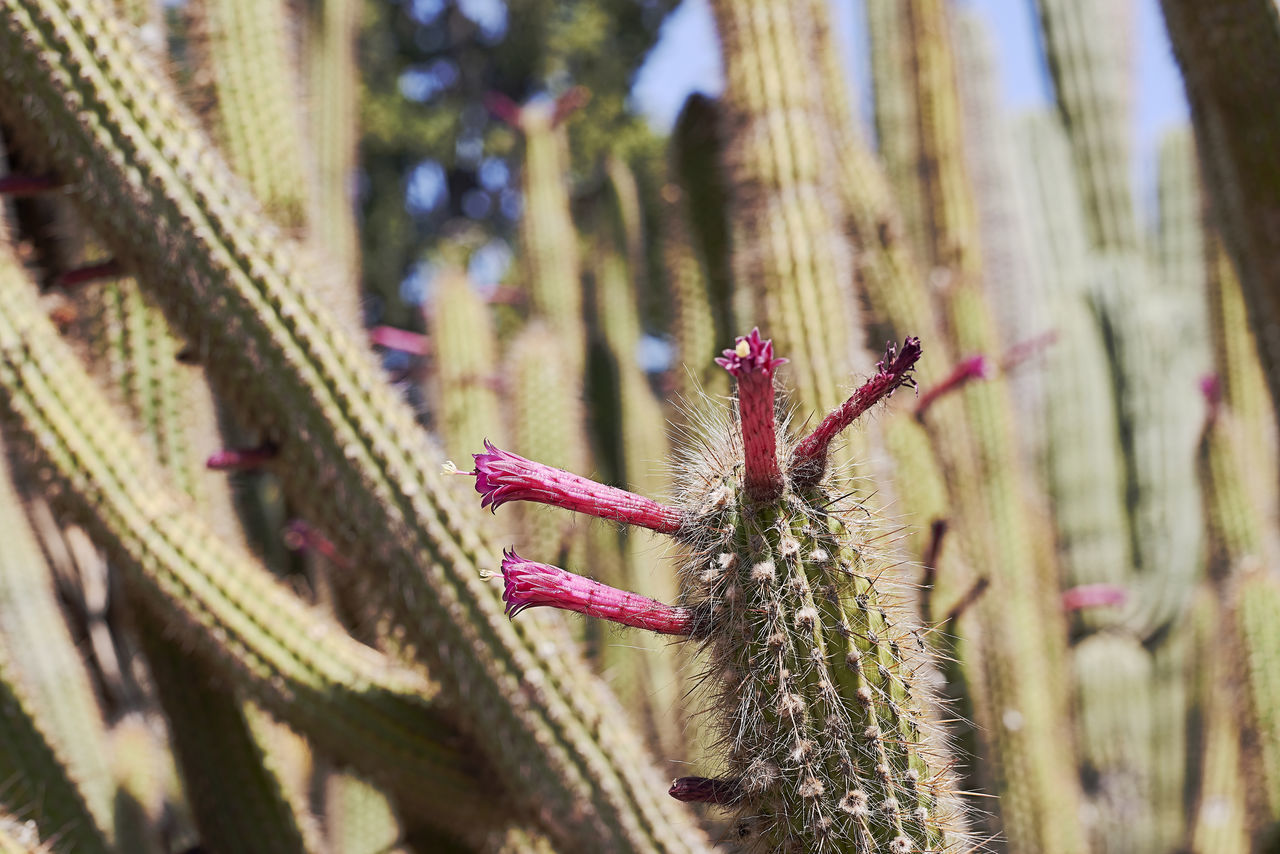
[245,626]
[1229,53]
[466,365]
[46,663]
[548,239]
[38,787]
[1089,48]
[701,283]
[245,72]
[822,712]
[1217,822]
[791,263]
[358,463]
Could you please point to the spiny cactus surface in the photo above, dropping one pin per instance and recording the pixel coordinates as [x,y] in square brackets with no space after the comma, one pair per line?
[813,672]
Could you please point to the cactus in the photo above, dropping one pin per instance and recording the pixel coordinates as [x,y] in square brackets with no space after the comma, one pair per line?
[38,787]
[1089,51]
[819,689]
[43,654]
[462,335]
[791,266]
[1227,53]
[360,467]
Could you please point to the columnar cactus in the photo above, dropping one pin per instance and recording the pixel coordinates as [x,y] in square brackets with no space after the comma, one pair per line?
[816,674]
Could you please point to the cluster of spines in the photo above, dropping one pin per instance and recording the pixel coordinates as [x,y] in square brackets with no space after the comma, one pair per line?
[821,716]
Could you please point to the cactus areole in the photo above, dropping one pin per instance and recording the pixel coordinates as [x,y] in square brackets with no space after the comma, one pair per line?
[817,705]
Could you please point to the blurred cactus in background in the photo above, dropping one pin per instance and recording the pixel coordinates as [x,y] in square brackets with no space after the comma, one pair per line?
[283,285]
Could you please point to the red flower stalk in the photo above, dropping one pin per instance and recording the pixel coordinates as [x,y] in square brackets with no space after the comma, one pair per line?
[809,459]
[413,343]
[299,536]
[1093,596]
[705,790]
[502,476]
[27,185]
[1211,388]
[91,273]
[530,585]
[752,364]
[972,368]
[241,459]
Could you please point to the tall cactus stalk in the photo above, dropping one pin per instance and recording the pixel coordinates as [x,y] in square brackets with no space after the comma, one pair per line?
[356,464]
[792,267]
[1230,54]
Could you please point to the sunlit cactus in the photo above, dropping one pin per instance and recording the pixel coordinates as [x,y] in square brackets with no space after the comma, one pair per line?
[815,672]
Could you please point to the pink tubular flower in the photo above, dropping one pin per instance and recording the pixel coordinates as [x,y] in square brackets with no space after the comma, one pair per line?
[413,343]
[705,790]
[1094,596]
[502,476]
[241,459]
[968,370]
[810,457]
[752,364]
[530,585]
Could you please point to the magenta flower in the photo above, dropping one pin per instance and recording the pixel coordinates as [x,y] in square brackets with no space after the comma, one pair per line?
[242,459]
[705,790]
[502,476]
[809,460]
[752,364]
[968,370]
[1094,596]
[530,585]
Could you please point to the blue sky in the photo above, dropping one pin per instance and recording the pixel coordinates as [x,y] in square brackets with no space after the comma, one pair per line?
[686,59]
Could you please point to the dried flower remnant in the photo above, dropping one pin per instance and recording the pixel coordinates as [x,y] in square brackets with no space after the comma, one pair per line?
[811,668]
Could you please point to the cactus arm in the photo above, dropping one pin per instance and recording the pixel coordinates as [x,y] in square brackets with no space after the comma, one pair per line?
[695,241]
[357,464]
[791,264]
[1230,57]
[331,32]
[548,239]
[243,57]
[461,332]
[38,787]
[1089,44]
[295,663]
[46,663]
[237,802]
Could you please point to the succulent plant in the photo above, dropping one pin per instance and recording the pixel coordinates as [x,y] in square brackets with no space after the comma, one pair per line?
[815,673]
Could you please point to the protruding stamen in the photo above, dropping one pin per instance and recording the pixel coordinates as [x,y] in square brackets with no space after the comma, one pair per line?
[502,476]
[705,790]
[242,459]
[530,585]
[413,343]
[91,273]
[27,185]
[1093,596]
[809,460]
[752,364]
[968,370]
